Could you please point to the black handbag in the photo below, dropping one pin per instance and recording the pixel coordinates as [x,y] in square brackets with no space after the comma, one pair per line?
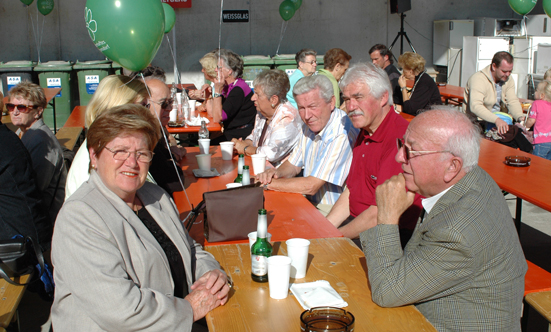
[229,214]
[19,256]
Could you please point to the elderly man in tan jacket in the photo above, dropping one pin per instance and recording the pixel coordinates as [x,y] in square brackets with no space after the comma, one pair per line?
[486,88]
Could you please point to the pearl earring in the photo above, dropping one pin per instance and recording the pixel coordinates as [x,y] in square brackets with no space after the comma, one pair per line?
[273,105]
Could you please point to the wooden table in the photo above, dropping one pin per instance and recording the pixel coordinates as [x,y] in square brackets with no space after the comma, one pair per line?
[452,93]
[70,137]
[541,301]
[77,117]
[289,215]
[336,260]
[10,296]
[530,183]
[211,126]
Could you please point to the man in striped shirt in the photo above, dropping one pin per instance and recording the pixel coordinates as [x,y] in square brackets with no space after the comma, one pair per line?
[324,150]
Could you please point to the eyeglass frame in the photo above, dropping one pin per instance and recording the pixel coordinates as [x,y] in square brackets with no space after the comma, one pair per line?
[168,102]
[28,108]
[311,63]
[137,154]
[401,143]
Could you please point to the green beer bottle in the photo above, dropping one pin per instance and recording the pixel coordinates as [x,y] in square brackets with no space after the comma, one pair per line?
[261,250]
[240,164]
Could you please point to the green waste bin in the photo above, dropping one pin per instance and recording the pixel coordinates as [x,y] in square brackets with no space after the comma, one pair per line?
[254,65]
[319,62]
[116,69]
[56,74]
[89,74]
[15,72]
[285,62]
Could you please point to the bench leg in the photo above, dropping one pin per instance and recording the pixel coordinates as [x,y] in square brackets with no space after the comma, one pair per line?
[518,214]
[524,319]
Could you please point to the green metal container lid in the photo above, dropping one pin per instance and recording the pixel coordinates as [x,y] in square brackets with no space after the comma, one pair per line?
[319,59]
[23,65]
[93,64]
[284,59]
[257,60]
[54,66]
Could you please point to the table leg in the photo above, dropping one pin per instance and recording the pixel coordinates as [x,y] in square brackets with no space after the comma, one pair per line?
[518,213]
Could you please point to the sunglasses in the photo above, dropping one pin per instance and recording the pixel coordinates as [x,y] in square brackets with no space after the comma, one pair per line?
[166,104]
[408,153]
[21,108]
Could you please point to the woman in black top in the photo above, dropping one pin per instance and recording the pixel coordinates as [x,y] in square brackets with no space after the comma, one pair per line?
[424,92]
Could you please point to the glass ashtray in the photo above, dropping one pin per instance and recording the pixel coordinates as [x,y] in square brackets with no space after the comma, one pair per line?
[326,319]
[517,161]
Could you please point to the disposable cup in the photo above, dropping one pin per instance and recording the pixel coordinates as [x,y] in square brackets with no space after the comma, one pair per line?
[173,115]
[204,162]
[204,144]
[252,238]
[279,268]
[192,109]
[227,150]
[233,185]
[297,250]
[259,163]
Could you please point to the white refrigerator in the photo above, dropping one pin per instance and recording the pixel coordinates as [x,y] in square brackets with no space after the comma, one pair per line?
[447,44]
[478,53]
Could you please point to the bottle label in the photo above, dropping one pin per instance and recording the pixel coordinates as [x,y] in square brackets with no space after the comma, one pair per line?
[259,265]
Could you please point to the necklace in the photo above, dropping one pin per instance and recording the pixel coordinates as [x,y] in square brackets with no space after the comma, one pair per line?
[136,208]
[413,89]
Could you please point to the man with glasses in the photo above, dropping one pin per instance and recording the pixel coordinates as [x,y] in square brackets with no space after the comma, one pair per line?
[463,267]
[306,66]
[368,97]
[162,168]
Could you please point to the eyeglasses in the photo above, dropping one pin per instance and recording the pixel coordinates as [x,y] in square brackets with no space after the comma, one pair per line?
[141,156]
[310,62]
[408,153]
[21,108]
[166,104]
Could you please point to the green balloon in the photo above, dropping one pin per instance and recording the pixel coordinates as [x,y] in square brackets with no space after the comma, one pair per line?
[547,7]
[128,32]
[297,4]
[27,2]
[170,17]
[45,6]
[522,7]
[287,10]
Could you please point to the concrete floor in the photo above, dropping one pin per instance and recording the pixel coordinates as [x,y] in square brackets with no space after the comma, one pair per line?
[535,238]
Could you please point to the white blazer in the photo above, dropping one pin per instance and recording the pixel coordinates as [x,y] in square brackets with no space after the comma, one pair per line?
[110,272]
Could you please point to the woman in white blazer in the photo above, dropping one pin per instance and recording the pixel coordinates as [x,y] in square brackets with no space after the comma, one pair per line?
[122,260]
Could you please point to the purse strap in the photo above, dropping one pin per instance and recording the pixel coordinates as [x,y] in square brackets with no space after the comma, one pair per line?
[40,259]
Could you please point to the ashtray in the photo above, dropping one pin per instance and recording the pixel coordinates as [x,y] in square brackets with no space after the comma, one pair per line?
[175,124]
[517,161]
[441,84]
[326,319]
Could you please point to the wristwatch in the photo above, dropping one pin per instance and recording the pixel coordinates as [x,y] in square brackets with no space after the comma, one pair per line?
[216,95]
[402,89]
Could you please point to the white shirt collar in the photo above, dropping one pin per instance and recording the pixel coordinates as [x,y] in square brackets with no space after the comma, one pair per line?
[429,203]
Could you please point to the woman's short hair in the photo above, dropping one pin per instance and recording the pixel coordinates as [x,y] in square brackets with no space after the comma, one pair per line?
[29,91]
[335,56]
[309,83]
[232,61]
[114,90]
[209,62]
[120,121]
[412,61]
[302,54]
[374,77]
[273,82]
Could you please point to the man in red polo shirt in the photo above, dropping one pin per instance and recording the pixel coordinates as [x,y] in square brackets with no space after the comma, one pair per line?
[368,96]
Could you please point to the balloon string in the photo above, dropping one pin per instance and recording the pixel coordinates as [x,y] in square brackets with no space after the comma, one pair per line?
[168,147]
[282,33]
[41,36]
[173,58]
[34,32]
[220,29]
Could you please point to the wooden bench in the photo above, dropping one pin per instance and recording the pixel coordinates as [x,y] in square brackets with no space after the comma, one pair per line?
[541,301]
[70,137]
[536,280]
[10,296]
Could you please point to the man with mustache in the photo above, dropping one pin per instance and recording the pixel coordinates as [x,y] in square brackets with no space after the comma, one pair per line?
[368,96]
[324,149]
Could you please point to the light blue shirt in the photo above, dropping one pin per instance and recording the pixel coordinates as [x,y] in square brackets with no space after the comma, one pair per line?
[327,155]
[293,79]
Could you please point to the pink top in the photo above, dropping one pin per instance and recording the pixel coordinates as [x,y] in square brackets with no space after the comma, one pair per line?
[541,111]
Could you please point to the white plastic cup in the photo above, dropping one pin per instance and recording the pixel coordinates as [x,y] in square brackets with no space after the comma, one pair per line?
[204,162]
[233,185]
[279,268]
[297,250]
[227,150]
[204,144]
[259,163]
[192,109]
[252,238]
[173,115]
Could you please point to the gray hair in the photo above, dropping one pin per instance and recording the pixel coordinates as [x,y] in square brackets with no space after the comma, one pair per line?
[273,82]
[302,54]
[374,77]
[232,61]
[463,135]
[309,83]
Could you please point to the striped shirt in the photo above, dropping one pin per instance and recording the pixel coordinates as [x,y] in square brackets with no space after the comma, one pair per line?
[327,155]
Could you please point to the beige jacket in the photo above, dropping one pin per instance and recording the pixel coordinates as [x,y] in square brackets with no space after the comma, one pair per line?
[480,96]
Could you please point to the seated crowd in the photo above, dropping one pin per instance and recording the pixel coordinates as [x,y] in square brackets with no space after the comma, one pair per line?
[123,261]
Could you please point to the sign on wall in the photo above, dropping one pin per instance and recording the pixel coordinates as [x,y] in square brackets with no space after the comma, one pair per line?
[178,3]
[232,16]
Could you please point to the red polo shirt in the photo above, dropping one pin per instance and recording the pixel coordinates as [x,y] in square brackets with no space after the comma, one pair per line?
[373,163]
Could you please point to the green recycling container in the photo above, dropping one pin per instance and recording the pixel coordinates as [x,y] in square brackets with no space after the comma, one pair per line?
[319,61]
[56,74]
[285,62]
[89,74]
[116,69]
[254,65]
[15,72]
